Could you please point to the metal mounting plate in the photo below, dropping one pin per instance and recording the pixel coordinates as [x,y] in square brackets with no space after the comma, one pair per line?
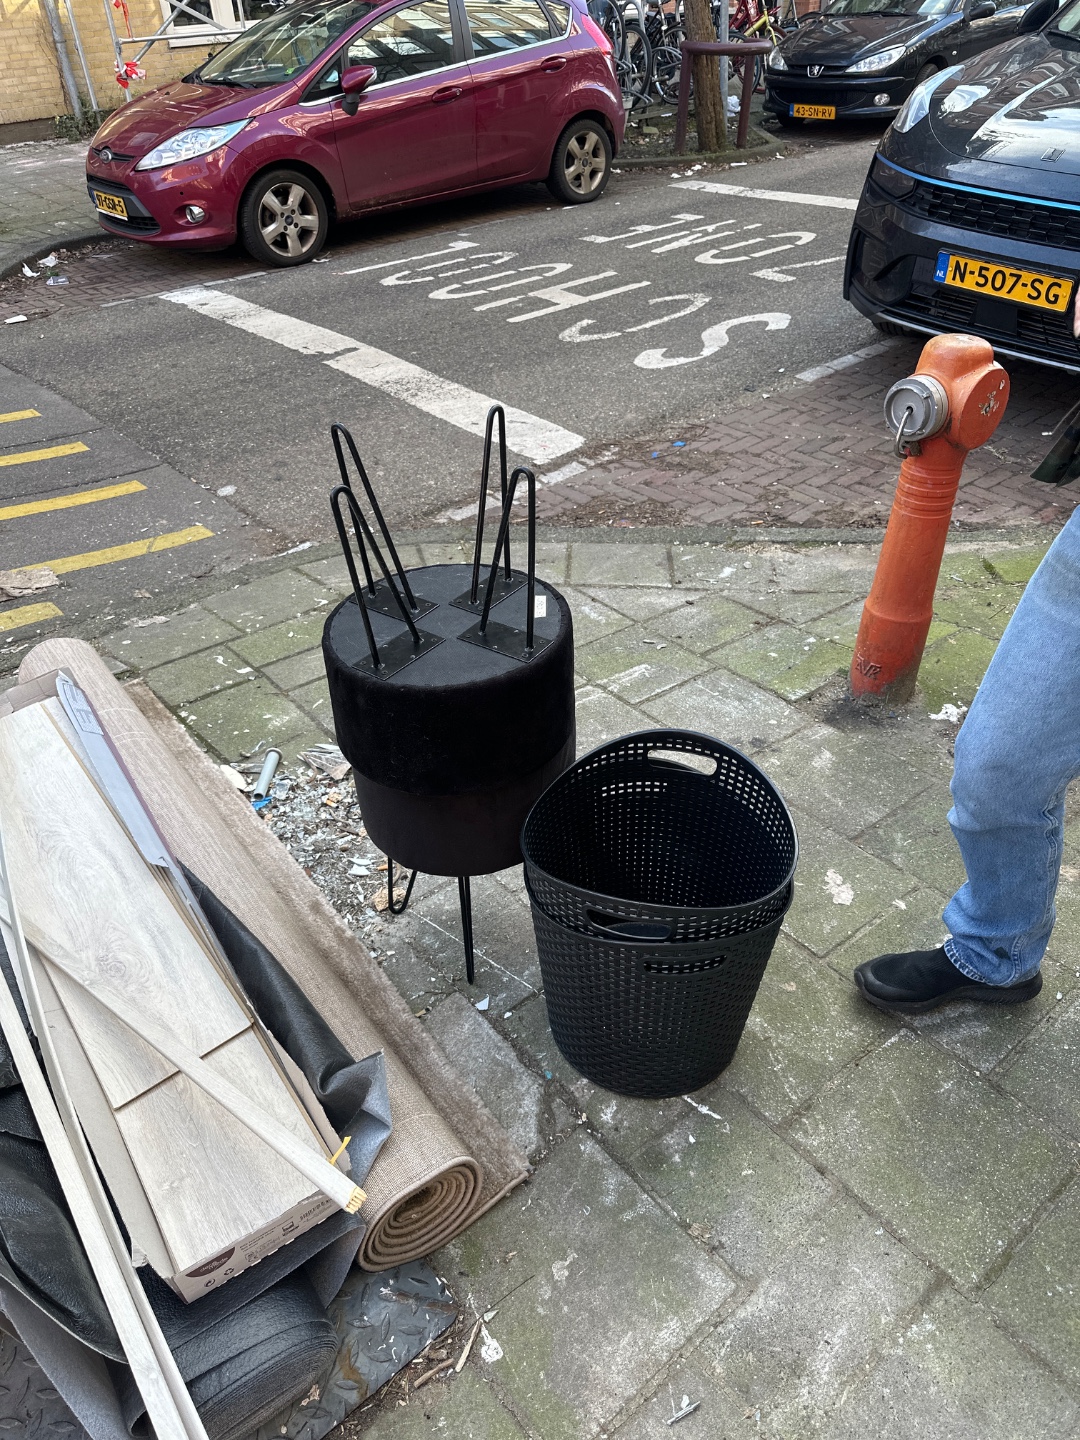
[383,601]
[503,588]
[395,654]
[505,640]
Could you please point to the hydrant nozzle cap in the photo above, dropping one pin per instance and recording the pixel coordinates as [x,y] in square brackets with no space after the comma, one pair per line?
[916,408]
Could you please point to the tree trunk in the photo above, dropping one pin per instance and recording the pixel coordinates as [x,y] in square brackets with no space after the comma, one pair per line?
[710,121]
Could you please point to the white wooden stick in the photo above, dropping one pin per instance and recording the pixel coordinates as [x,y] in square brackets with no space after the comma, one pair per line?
[315,1167]
[171,1410]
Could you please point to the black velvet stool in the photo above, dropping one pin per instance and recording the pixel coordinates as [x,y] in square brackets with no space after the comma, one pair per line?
[452,692]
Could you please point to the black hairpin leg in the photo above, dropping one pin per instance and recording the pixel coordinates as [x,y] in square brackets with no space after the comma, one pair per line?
[465,896]
[397,909]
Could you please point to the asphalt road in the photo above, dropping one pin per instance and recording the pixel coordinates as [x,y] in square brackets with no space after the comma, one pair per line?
[667,302]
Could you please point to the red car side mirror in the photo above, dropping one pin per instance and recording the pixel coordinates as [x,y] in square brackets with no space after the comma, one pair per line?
[353,81]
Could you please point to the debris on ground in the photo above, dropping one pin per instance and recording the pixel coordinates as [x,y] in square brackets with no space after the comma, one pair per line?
[14,583]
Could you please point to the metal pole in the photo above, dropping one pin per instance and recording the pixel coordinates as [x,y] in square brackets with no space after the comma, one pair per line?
[116,46]
[725,63]
[747,98]
[82,55]
[67,75]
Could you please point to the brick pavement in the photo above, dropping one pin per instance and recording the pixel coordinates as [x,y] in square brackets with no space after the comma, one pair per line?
[815,454]
[864,1226]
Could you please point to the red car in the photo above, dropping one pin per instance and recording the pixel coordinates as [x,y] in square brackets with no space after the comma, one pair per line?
[333,108]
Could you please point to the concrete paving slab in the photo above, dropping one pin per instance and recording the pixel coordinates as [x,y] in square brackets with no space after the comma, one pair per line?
[732,1181]
[512,1094]
[1037,1296]
[953,1167]
[630,564]
[839,888]
[952,669]
[263,603]
[296,670]
[640,604]
[805,1027]
[844,782]
[736,711]
[719,1412]
[602,717]
[197,675]
[916,839]
[146,644]
[589,1326]
[235,721]
[955,1376]
[1045,1074]
[793,1347]
[592,618]
[636,665]
[706,624]
[785,659]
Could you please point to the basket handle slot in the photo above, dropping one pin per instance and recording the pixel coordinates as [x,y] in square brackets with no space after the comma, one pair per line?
[683,760]
[621,928]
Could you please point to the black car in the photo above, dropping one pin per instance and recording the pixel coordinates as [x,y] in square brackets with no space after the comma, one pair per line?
[864,57]
[970,215]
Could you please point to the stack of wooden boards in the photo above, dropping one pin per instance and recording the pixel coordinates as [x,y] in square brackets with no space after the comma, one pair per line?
[213,1146]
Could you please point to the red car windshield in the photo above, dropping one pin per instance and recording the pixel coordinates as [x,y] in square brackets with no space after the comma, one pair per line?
[281,47]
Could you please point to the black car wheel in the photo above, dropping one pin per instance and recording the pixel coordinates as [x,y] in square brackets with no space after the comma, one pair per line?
[283,219]
[581,164]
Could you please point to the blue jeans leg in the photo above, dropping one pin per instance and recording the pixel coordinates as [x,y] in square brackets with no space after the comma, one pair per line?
[1016,752]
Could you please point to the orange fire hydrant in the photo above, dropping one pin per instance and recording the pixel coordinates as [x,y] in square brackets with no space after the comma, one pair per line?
[952,404]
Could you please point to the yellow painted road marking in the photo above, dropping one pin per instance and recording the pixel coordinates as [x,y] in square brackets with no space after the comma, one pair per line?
[28,615]
[67,563]
[20,415]
[65,502]
[51,453]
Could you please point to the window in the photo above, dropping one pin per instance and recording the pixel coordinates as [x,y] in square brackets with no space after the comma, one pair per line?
[306,30]
[560,14]
[501,25]
[409,42]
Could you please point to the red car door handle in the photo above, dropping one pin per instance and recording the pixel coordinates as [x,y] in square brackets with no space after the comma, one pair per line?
[555,63]
[448,92]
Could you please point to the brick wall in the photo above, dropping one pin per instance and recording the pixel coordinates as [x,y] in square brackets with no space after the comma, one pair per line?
[30,87]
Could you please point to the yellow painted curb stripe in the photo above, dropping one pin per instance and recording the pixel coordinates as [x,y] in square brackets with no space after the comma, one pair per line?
[67,563]
[66,502]
[28,615]
[51,453]
[20,415]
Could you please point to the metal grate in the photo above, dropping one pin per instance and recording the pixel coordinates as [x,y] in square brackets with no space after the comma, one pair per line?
[1041,330]
[995,215]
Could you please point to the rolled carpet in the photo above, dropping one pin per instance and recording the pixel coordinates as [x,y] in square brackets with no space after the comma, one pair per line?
[447,1159]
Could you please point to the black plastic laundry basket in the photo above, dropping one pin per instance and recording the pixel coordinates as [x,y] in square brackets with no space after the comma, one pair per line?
[657,894]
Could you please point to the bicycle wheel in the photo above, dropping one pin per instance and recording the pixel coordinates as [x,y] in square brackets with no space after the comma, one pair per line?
[667,69]
[739,63]
[637,57]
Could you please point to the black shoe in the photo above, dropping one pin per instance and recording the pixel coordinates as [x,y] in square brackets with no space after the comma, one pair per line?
[921,980]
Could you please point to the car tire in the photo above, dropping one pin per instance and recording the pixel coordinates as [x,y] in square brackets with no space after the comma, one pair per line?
[581,163]
[788,122]
[925,73]
[283,218]
[890,327]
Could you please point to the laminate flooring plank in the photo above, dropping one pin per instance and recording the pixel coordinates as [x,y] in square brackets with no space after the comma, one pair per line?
[79,878]
[251,1184]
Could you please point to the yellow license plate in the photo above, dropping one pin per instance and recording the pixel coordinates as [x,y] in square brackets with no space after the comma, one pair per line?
[1005,282]
[111,204]
[813,112]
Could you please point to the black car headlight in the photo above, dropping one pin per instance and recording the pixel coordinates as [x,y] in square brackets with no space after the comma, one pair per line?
[894,182]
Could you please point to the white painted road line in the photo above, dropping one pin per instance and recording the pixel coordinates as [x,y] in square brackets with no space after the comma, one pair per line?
[389,264]
[793,197]
[845,361]
[538,440]
[781,274]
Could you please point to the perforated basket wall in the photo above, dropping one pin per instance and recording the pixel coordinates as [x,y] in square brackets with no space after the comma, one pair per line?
[627,837]
[650,1020]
